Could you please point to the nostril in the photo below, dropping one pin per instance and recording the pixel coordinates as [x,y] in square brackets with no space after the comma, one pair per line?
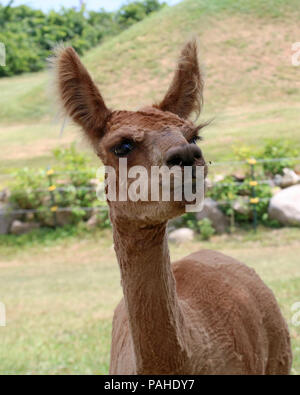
[174,160]
[196,151]
[174,157]
[183,156]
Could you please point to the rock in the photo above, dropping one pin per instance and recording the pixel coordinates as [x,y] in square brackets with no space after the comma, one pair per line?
[4,195]
[62,183]
[93,222]
[19,227]
[288,178]
[271,184]
[46,200]
[285,206]
[241,206]
[181,235]
[218,178]
[175,223]
[6,218]
[275,190]
[208,183]
[29,217]
[63,217]
[211,211]
[94,182]
[239,175]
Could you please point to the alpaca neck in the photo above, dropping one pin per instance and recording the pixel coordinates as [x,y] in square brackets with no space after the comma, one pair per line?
[155,317]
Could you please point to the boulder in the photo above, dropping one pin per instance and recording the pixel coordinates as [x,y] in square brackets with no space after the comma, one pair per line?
[29,217]
[94,221]
[181,235]
[175,223]
[218,178]
[6,218]
[94,182]
[241,206]
[208,183]
[275,190]
[285,206]
[239,175]
[63,217]
[288,178]
[4,195]
[211,211]
[19,227]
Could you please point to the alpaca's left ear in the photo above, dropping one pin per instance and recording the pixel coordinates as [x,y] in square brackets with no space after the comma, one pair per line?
[184,95]
[79,97]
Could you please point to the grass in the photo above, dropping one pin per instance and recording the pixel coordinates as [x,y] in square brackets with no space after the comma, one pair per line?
[60,295]
[31,144]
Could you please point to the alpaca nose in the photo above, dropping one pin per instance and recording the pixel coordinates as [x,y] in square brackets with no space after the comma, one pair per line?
[185,155]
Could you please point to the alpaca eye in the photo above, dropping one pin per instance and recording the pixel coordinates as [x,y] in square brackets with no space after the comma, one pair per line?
[123,149]
[194,140]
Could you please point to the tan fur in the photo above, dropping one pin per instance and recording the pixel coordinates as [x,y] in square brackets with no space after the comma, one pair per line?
[78,95]
[205,314]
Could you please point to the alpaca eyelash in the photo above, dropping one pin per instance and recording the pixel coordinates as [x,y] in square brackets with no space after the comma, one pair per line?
[120,142]
[196,138]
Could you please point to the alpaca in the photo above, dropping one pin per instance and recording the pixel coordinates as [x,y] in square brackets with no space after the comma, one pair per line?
[205,314]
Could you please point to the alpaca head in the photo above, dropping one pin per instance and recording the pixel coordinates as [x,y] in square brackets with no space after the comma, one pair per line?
[158,135]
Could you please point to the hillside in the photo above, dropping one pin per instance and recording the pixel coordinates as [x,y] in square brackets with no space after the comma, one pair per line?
[252,90]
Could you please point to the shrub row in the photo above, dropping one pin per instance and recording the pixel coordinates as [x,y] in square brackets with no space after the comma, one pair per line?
[75,187]
[29,34]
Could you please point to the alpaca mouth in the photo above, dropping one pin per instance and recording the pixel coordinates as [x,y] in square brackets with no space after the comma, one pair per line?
[187,191]
[189,181]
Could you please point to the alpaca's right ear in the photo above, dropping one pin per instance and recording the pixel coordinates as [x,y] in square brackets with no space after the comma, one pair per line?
[79,96]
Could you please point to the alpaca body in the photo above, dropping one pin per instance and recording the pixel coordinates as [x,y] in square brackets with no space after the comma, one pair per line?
[232,323]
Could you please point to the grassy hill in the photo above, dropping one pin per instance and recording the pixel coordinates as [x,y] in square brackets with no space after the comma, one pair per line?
[252,89]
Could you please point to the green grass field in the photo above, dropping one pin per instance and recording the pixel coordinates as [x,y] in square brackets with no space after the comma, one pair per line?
[60,296]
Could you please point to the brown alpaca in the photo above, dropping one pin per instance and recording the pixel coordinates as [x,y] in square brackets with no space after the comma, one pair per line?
[205,314]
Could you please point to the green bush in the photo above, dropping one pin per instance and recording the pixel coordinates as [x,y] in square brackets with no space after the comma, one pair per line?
[232,193]
[136,11]
[229,191]
[189,220]
[278,149]
[205,228]
[73,175]
[29,189]
[72,179]
[29,35]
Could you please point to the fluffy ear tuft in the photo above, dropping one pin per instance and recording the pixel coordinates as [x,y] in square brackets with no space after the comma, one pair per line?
[184,95]
[79,97]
